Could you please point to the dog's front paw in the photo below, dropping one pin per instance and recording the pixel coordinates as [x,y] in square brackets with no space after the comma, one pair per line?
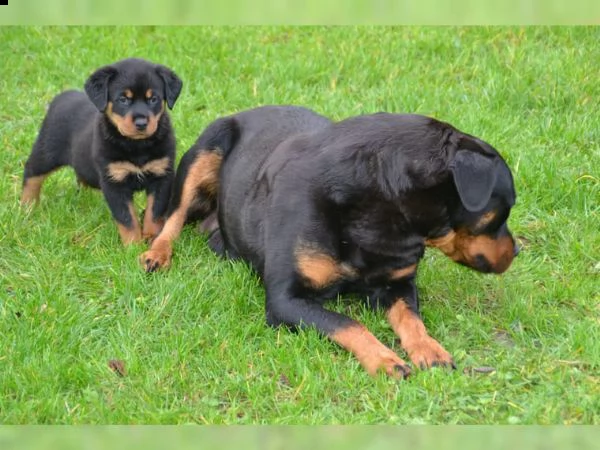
[152,260]
[385,360]
[429,353]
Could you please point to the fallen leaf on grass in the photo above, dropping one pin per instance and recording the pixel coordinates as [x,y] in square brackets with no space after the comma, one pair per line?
[284,381]
[118,367]
[483,370]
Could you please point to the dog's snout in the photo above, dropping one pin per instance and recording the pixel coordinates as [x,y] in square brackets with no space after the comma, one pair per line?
[141,123]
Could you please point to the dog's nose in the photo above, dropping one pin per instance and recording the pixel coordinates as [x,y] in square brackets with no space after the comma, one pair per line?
[516,250]
[140,123]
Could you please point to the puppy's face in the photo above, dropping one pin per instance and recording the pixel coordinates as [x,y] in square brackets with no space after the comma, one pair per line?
[478,234]
[132,94]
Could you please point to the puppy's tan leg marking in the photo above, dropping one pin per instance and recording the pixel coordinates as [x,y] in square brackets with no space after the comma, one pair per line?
[151,227]
[132,234]
[370,352]
[422,349]
[32,188]
[203,175]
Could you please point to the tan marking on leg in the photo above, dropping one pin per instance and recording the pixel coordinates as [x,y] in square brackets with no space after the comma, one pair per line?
[318,268]
[370,352]
[31,189]
[422,349]
[151,227]
[133,234]
[398,274]
[203,175]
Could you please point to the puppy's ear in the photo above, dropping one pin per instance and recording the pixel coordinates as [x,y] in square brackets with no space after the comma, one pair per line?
[173,84]
[96,86]
[474,176]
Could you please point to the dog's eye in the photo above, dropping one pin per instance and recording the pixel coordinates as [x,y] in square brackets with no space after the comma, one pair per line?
[123,100]
[153,100]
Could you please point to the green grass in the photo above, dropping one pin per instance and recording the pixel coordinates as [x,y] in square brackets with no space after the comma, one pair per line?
[267,12]
[193,339]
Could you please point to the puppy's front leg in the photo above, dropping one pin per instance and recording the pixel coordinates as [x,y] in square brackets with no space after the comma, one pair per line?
[120,202]
[158,193]
[402,312]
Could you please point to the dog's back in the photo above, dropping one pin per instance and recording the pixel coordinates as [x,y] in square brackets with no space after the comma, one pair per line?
[242,203]
[231,148]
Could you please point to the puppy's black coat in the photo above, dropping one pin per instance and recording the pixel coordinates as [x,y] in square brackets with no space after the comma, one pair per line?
[320,208]
[117,136]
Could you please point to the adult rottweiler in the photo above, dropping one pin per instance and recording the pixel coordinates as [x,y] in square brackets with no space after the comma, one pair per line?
[118,137]
[320,208]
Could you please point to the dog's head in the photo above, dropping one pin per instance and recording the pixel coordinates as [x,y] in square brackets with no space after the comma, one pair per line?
[132,94]
[479,206]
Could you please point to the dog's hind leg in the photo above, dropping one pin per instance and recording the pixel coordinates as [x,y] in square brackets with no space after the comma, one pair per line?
[216,241]
[45,158]
[195,188]
[194,196]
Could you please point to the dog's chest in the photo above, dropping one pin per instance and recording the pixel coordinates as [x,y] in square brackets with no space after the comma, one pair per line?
[373,267]
[354,269]
[121,171]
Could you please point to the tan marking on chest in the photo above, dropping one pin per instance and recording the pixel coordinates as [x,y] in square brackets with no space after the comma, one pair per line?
[120,170]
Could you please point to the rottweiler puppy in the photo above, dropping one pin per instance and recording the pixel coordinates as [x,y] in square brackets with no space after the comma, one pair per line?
[320,208]
[118,137]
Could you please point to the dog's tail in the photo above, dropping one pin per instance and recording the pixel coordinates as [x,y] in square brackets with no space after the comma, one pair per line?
[197,179]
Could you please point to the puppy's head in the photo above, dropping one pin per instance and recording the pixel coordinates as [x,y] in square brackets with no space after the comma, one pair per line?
[132,93]
[478,235]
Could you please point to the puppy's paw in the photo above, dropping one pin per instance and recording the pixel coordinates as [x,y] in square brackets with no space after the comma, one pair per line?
[429,353]
[153,260]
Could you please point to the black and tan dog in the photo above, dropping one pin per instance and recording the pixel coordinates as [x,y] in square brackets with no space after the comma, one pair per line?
[118,137]
[320,208]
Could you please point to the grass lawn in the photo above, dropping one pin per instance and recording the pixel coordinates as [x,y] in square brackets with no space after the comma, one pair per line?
[193,339]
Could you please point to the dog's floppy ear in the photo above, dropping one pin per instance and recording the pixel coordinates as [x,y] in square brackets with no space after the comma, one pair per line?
[474,175]
[173,84]
[96,86]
